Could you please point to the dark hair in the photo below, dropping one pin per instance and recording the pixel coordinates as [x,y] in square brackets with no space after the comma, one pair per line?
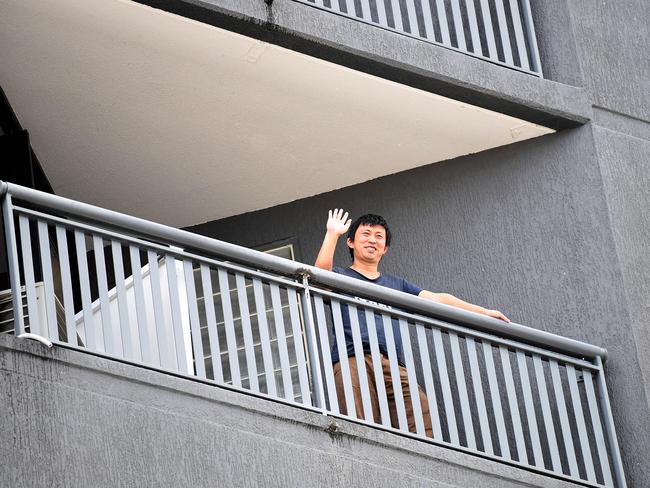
[368,219]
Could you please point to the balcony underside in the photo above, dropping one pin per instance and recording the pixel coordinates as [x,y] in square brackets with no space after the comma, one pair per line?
[124,101]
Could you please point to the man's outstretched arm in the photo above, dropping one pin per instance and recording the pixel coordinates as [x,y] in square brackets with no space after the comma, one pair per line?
[337,225]
[447,299]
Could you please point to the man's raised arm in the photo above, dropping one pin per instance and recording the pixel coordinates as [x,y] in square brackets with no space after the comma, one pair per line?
[337,225]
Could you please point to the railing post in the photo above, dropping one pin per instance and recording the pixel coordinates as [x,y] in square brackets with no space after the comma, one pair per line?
[610,430]
[312,347]
[12,258]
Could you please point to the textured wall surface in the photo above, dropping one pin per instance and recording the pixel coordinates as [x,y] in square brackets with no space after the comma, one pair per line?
[625,162]
[613,43]
[73,419]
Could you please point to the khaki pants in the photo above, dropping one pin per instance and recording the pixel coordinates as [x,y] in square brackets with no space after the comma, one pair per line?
[390,393]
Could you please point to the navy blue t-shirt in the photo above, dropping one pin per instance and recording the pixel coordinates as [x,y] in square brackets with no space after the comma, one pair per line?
[388,281]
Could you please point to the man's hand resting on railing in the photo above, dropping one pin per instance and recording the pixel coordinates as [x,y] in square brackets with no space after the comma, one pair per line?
[447,299]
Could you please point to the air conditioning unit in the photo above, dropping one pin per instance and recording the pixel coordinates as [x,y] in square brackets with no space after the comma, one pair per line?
[7,311]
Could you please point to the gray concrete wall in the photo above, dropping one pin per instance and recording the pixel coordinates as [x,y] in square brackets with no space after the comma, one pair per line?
[72,419]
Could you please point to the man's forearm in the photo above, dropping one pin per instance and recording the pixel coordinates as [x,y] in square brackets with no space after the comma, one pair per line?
[325,258]
[447,299]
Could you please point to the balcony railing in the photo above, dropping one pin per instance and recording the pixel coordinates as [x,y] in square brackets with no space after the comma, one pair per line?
[500,31]
[110,284]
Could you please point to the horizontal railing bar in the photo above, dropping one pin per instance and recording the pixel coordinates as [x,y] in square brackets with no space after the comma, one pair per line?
[174,252]
[291,268]
[464,330]
[432,41]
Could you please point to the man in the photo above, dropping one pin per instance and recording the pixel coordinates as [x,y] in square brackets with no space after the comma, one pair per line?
[368,241]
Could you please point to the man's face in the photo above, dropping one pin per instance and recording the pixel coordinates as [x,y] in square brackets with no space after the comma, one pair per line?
[369,243]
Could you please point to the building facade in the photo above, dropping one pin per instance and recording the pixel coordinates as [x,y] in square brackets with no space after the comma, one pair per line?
[550,228]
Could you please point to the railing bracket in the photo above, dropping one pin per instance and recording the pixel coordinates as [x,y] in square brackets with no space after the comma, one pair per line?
[333,428]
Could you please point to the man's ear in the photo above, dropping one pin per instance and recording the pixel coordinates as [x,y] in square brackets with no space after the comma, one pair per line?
[350,243]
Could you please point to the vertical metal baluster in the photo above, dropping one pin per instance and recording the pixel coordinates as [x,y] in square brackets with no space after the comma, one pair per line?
[495,395]
[473,27]
[462,390]
[489,32]
[601,446]
[397,15]
[442,21]
[503,30]
[195,324]
[341,345]
[165,351]
[395,373]
[371,324]
[413,20]
[177,321]
[128,344]
[429,31]
[365,10]
[514,409]
[140,306]
[478,394]
[414,389]
[104,332]
[35,326]
[359,354]
[66,285]
[84,285]
[564,418]
[347,10]
[530,410]
[519,34]
[281,335]
[298,345]
[318,395]
[381,13]
[12,259]
[229,323]
[211,317]
[458,25]
[532,39]
[251,365]
[580,423]
[326,351]
[546,414]
[450,411]
[428,381]
[267,357]
[48,280]
[610,430]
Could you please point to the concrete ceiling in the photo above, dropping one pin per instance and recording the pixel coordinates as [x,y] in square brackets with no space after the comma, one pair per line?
[155,115]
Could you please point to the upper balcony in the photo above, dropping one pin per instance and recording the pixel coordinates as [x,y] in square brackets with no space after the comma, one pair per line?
[134,291]
[501,31]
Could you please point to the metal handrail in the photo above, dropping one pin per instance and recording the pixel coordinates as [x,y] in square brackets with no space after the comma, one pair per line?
[291,268]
